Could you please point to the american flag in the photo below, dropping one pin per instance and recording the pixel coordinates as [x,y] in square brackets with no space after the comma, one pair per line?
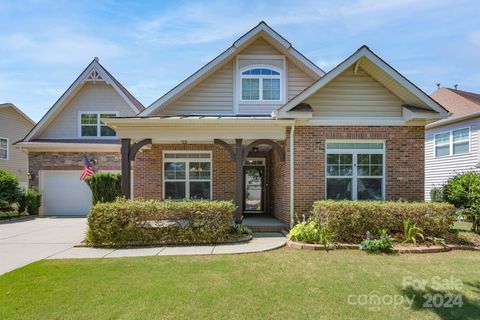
[87,168]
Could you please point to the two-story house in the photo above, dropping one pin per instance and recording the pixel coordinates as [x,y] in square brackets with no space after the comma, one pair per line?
[260,125]
[451,145]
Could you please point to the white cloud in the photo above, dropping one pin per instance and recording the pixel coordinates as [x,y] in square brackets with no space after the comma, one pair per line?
[64,47]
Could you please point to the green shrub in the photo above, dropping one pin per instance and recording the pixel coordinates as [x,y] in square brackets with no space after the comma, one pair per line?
[29,201]
[10,192]
[436,194]
[140,222]
[105,186]
[310,232]
[383,244]
[349,220]
[463,191]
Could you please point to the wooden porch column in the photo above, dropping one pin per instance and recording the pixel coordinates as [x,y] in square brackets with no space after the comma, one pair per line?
[126,168]
[238,180]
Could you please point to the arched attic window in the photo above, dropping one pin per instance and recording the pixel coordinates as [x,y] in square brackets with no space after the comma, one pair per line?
[261,83]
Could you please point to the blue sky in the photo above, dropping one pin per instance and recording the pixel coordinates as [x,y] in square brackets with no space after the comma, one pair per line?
[152,46]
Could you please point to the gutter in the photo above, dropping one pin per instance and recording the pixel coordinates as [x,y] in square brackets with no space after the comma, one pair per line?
[292,174]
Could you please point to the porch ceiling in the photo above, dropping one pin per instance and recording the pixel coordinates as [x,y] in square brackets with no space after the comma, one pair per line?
[199,129]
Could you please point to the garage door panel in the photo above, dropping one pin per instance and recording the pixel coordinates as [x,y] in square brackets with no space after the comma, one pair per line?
[64,194]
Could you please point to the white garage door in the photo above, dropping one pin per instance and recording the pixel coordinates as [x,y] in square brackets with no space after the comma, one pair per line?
[64,194]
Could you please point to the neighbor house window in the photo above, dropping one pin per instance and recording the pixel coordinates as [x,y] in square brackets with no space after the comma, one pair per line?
[187,175]
[452,142]
[355,170]
[3,149]
[91,124]
[261,84]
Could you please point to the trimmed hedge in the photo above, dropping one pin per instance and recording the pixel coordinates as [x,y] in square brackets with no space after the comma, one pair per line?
[105,186]
[350,220]
[149,222]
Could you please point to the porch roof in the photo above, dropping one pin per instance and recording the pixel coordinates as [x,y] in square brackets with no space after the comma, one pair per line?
[199,129]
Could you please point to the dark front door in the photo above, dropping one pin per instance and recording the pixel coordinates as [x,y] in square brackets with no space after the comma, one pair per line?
[254,187]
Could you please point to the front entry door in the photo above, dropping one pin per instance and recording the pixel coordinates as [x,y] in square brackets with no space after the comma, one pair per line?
[254,186]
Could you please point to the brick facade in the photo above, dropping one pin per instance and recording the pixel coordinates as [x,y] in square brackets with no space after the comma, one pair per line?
[69,161]
[404,160]
[147,171]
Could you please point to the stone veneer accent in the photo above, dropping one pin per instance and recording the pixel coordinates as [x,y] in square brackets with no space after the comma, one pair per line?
[69,161]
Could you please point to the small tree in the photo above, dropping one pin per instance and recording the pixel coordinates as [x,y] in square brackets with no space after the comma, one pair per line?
[463,191]
[10,192]
[105,186]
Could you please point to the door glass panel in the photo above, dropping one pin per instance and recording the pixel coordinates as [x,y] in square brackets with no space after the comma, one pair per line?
[369,189]
[253,189]
[339,188]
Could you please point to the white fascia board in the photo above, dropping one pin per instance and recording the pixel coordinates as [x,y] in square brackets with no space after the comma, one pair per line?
[70,147]
[262,26]
[142,122]
[183,85]
[361,53]
[297,55]
[453,120]
[412,115]
[347,121]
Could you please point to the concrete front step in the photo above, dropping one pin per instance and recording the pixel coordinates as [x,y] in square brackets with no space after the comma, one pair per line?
[264,224]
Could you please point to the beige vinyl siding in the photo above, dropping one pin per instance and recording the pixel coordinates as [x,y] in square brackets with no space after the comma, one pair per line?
[91,97]
[14,127]
[438,170]
[297,80]
[260,46]
[214,95]
[355,95]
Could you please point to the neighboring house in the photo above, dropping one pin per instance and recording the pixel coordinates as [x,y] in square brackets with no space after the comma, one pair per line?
[74,126]
[260,124]
[14,125]
[451,145]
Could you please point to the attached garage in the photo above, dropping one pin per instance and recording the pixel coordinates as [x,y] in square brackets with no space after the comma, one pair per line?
[64,194]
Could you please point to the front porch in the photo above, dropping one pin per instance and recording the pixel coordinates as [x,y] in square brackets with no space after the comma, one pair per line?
[243,162]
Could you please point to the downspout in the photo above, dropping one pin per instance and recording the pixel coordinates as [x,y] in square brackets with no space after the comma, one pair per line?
[292,174]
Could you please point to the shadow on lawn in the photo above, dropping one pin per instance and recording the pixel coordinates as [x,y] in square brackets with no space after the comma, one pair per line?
[447,304]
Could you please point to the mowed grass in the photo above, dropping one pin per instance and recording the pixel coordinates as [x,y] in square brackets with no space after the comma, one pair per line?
[283,284]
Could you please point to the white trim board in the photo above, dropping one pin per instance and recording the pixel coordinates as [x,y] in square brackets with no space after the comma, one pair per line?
[220,60]
[363,53]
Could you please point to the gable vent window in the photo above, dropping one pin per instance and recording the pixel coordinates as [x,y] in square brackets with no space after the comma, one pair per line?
[261,84]
[91,124]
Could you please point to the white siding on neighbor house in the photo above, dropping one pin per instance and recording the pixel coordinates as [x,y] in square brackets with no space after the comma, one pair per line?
[214,95]
[14,127]
[92,97]
[438,170]
[355,95]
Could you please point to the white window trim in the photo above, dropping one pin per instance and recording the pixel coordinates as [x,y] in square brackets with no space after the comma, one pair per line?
[451,143]
[98,113]
[237,83]
[354,153]
[8,149]
[187,178]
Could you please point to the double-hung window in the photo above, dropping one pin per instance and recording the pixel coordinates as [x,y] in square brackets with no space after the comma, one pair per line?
[452,142]
[260,84]
[3,148]
[91,124]
[355,170]
[187,175]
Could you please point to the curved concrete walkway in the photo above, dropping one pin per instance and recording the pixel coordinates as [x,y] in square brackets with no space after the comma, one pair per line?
[260,242]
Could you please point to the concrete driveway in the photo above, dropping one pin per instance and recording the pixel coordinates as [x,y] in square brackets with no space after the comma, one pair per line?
[23,242]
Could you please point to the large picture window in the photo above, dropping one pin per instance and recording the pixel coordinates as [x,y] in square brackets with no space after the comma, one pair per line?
[452,142]
[355,170]
[3,149]
[187,175]
[260,84]
[91,124]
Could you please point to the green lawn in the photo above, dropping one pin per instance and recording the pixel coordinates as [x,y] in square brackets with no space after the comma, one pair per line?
[284,284]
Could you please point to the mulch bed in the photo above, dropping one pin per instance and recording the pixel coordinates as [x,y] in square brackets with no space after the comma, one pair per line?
[396,249]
